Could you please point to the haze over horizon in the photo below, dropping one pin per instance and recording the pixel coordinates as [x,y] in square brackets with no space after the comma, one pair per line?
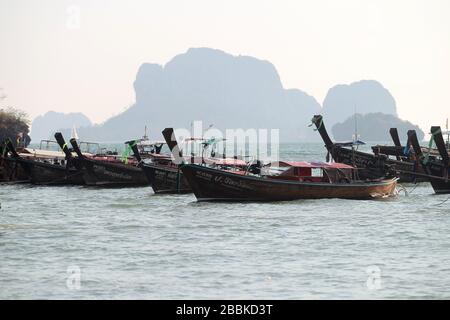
[54,59]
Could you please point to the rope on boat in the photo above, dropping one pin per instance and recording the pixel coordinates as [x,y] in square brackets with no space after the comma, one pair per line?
[400,187]
[319,126]
[430,145]
[413,188]
[441,203]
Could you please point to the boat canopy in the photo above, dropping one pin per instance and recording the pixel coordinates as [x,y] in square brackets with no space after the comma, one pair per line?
[312,165]
[38,153]
[161,156]
[43,153]
[350,143]
[225,161]
[149,143]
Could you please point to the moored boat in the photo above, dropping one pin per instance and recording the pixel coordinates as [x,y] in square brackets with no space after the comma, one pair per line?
[165,175]
[108,171]
[11,171]
[211,184]
[166,178]
[437,168]
[47,169]
[371,166]
[298,180]
[402,152]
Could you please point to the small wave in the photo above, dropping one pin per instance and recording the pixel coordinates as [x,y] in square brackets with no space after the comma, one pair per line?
[123,205]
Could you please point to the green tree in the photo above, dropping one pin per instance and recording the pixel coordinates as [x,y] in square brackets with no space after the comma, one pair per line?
[15,125]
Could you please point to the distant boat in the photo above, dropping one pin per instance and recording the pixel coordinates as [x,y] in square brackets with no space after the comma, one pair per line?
[165,176]
[437,167]
[108,171]
[371,165]
[45,167]
[10,170]
[74,134]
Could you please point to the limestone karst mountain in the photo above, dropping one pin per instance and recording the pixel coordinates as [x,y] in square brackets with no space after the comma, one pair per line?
[215,87]
[365,124]
[43,127]
[227,91]
[365,96]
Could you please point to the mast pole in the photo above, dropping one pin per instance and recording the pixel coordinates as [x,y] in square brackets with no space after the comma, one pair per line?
[356,127]
[191,144]
[448,135]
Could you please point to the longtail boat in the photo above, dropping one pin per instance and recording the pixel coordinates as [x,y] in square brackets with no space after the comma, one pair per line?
[436,167]
[402,152]
[165,175]
[371,166]
[10,170]
[108,171]
[299,180]
[47,169]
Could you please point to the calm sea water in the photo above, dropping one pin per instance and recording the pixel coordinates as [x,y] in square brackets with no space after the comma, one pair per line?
[85,243]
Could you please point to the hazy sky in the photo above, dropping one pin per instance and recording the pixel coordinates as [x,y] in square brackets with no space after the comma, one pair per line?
[49,61]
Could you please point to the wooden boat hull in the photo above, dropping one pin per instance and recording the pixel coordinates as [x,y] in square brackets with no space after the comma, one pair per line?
[109,174]
[376,166]
[399,151]
[164,179]
[371,166]
[439,184]
[217,185]
[44,173]
[12,171]
[48,174]
[441,187]
[437,169]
